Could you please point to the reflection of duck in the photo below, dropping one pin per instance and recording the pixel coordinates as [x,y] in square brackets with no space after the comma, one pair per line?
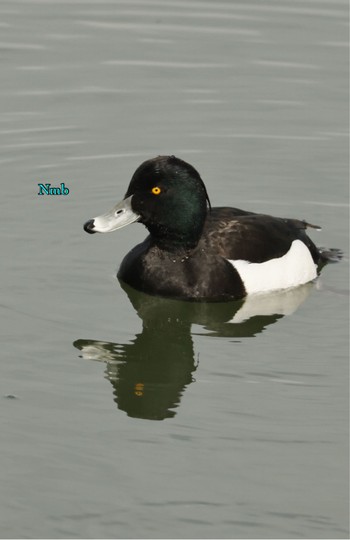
[149,374]
[201,253]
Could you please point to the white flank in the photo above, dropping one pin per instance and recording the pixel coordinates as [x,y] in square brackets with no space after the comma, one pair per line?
[294,268]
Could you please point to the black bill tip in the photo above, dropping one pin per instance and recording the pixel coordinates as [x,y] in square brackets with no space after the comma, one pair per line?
[89,226]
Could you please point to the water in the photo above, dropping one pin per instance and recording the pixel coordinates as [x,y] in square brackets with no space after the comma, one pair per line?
[125,416]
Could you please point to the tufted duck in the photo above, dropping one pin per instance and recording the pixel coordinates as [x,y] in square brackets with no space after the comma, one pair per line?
[196,252]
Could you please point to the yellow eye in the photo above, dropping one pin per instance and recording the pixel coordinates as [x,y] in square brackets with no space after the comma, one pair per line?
[138,389]
[156,190]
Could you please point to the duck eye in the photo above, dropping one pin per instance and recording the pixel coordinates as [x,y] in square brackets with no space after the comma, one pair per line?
[156,190]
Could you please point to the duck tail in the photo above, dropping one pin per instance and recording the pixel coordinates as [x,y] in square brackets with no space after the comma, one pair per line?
[325,255]
[311,226]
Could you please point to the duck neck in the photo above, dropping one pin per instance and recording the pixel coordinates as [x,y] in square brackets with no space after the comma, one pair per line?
[176,239]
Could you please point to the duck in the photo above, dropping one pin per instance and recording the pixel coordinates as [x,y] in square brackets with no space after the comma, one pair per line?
[202,253]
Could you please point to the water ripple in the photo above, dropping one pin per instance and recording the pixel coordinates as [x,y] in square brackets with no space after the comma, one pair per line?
[154,63]
[169,28]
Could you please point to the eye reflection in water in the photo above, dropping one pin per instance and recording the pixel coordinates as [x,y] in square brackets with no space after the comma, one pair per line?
[150,374]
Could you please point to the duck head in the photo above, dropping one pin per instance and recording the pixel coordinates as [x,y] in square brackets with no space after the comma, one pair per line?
[168,196]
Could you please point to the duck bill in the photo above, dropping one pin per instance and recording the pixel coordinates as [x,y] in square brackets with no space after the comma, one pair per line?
[121,215]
